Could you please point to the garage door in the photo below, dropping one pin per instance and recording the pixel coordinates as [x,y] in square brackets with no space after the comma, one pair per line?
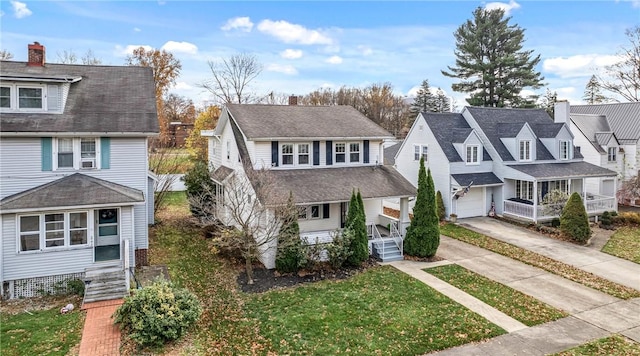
[471,204]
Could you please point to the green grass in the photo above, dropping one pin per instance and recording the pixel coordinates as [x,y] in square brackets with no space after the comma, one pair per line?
[612,345]
[537,260]
[625,243]
[517,305]
[170,161]
[176,199]
[44,332]
[381,311]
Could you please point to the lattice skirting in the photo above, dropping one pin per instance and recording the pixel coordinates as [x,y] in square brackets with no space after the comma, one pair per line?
[38,286]
[142,257]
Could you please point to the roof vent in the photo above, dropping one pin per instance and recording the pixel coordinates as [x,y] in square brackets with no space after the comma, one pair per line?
[36,55]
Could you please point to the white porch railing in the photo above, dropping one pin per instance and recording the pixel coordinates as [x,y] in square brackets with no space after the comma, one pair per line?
[127,263]
[599,203]
[518,209]
[594,204]
[375,236]
[397,238]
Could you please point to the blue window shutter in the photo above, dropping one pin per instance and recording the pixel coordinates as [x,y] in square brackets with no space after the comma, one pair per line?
[316,153]
[365,151]
[274,153]
[105,152]
[47,153]
[325,211]
[329,145]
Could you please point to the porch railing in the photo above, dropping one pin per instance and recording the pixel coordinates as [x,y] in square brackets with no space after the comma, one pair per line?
[397,238]
[594,204]
[518,209]
[599,203]
[375,236]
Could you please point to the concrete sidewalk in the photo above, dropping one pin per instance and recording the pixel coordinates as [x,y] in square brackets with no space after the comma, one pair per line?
[601,264]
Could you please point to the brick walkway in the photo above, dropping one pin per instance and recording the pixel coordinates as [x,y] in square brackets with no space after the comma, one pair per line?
[100,337]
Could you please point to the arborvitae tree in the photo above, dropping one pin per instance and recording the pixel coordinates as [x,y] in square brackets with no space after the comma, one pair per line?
[440,205]
[592,92]
[423,234]
[200,187]
[290,255]
[574,221]
[359,241]
[491,63]
[424,100]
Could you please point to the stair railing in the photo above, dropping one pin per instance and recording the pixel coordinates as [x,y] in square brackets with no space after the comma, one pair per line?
[375,234]
[397,238]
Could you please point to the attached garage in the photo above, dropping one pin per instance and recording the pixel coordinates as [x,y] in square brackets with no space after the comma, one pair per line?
[471,204]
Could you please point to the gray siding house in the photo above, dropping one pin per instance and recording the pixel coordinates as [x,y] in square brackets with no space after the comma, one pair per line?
[73,170]
[499,161]
[321,154]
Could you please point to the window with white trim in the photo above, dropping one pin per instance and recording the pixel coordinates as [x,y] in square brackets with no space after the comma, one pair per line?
[525,150]
[340,152]
[287,154]
[612,153]
[76,153]
[354,152]
[5,97]
[561,185]
[565,150]
[420,151]
[472,154]
[228,149]
[23,97]
[52,230]
[524,190]
[310,212]
[30,98]
[303,153]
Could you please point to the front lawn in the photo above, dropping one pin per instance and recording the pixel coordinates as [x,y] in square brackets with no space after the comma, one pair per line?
[516,304]
[531,258]
[380,311]
[40,332]
[612,345]
[625,243]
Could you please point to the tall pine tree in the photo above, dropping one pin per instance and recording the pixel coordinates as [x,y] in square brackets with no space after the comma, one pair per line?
[490,61]
[424,100]
[593,93]
[423,234]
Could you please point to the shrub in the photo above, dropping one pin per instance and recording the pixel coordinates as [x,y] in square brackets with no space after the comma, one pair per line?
[606,219]
[574,222]
[339,250]
[423,235]
[290,256]
[628,218]
[440,204]
[158,313]
[200,188]
[555,222]
[358,239]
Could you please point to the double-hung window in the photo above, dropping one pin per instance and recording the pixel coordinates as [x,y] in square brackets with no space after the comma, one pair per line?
[524,190]
[30,98]
[525,150]
[612,153]
[76,153]
[87,153]
[23,97]
[341,152]
[472,154]
[354,152]
[565,150]
[287,154]
[303,153]
[29,233]
[52,230]
[5,97]
[65,153]
[416,152]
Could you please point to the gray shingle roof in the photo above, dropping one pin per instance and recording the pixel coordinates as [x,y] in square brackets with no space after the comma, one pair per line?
[73,190]
[547,130]
[299,121]
[221,173]
[509,129]
[492,121]
[447,127]
[563,170]
[478,179]
[390,154]
[624,118]
[336,184]
[589,125]
[108,99]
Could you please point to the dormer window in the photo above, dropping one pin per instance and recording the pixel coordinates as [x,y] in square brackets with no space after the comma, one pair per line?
[341,149]
[354,152]
[5,97]
[565,150]
[472,154]
[525,150]
[612,153]
[294,154]
[303,153]
[287,154]
[30,98]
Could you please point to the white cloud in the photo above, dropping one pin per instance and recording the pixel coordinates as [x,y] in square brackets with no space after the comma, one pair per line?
[183,86]
[291,53]
[20,9]
[366,50]
[334,60]
[579,65]
[507,7]
[292,33]
[180,47]
[136,29]
[125,51]
[243,24]
[285,69]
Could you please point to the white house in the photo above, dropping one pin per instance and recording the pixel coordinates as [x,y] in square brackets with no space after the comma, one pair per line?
[501,161]
[608,136]
[74,177]
[320,154]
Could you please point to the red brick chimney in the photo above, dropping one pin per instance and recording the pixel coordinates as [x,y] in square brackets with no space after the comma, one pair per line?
[36,55]
[293,100]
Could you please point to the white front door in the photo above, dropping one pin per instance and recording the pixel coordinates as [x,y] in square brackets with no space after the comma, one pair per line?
[107,244]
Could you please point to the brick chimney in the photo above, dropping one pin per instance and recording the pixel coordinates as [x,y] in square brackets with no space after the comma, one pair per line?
[293,100]
[36,55]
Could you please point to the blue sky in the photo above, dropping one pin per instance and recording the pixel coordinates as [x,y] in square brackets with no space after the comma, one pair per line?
[306,45]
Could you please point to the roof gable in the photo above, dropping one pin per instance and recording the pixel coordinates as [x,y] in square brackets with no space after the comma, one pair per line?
[448,128]
[623,118]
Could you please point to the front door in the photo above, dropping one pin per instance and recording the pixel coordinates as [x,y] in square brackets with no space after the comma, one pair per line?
[107,244]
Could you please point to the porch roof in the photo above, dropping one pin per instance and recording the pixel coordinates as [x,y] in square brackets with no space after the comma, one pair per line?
[325,185]
[563,170]
[478,179]
[72,191]
[221,174]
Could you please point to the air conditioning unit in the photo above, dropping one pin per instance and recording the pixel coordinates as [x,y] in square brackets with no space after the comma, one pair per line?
[88,163]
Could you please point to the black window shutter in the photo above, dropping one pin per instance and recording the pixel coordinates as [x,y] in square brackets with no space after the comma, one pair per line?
[329,149]
[325,211]
[365,151]
[274,153]
[316,153]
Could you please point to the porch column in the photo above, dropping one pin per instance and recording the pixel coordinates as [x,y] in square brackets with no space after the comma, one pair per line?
[404,221]
[615,193]
[535,200]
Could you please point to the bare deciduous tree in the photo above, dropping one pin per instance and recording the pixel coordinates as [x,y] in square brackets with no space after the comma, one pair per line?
[629,191]
[5,55]
[231,78]
[68,56]
[623,78]
[164,164]
[251,206]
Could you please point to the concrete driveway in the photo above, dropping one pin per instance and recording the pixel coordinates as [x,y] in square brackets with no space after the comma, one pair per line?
[604,265]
